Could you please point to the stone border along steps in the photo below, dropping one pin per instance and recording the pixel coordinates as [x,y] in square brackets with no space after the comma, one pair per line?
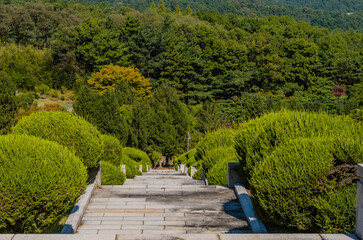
[163,202]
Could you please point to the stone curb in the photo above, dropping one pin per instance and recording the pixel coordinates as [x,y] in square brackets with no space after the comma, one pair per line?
[256,225]
[275,236]
[78,210]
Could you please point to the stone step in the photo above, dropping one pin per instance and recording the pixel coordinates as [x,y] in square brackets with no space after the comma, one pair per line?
[163,202]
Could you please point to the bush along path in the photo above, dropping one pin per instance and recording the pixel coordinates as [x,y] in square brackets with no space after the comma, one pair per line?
[163,202]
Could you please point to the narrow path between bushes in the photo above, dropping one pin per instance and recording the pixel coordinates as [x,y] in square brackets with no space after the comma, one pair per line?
[163,202]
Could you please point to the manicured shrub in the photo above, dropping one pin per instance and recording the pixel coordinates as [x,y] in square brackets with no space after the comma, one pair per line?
[156,157]
[304,184]
[198,174]
[111,174]
[258,138]
[187,158]
[213,140]
[217,155]
[137,155]
[131,166]
[217,164]
[112,150]
[66,129]
[40,181]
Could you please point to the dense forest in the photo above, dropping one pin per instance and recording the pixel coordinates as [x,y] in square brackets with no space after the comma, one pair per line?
[180,71]
[344,15]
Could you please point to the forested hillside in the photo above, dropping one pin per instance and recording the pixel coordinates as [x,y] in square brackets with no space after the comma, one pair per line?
[203,70]
[345,15]
[348,6]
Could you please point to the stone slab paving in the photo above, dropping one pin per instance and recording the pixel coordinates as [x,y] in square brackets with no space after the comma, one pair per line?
[163,202]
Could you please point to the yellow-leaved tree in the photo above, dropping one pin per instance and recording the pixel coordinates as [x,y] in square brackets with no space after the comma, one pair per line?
[109,75]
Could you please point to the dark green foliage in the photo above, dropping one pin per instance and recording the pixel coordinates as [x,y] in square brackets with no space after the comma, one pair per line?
[319,13]
[111,174]
[102,111]
[304,184]
[26,66]
[112,152]
[25,100]
[170,121]
[40,181]
[8,103]
[69,130]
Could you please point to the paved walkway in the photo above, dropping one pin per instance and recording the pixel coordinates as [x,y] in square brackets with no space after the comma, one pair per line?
[163,202]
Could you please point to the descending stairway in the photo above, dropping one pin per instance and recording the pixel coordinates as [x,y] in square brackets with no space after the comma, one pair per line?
[163,202]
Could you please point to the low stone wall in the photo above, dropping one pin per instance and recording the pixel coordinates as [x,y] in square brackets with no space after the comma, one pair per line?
[179,237]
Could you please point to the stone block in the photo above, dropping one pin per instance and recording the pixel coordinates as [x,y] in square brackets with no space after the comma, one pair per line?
[270,236]
[6,236]
[140,168]
[165,223]
[123,168]
[64,237]
[359,210]
[143,227]
[360,170]
[339,237]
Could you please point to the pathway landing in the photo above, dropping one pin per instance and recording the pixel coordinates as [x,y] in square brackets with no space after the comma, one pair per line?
[163,202]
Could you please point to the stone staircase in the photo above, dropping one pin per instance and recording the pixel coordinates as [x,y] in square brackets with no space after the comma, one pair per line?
[163,202]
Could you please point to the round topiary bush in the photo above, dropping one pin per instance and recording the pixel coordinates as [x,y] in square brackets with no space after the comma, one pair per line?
[137,155]
[304,184]
[213,140]
[69,130]
[259,137]
[131,166]
[111,175]
[216,163]
[40,181]
[112,150]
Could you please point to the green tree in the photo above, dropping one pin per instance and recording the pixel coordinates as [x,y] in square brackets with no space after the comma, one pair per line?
[102,111]
[161,7]
[188,11]
[8,105]
[178,11]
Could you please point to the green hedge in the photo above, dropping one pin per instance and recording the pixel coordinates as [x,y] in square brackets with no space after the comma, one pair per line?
[213,140]
[216,163]
[112,150]
[299,185]
[111,174]
[137,155]
[132,167]
[40,181]
[257,138]
[69,130]
[301,169]
[187,158]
